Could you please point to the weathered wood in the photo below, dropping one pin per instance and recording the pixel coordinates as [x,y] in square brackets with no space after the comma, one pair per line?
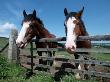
[80,38]
[97,62]
[31,50]
[43,66]
[93,73]
[93,50]
[13,50]
[46,49]
[95,38]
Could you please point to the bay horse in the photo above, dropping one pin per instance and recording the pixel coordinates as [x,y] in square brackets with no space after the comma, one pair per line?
[33,26]
[74,27]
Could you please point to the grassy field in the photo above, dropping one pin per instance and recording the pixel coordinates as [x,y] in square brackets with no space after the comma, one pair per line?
[105,57]
[3,41]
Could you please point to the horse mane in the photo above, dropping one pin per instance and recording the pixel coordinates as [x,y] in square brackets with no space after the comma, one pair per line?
[43,29]
[83,26]
[40,21]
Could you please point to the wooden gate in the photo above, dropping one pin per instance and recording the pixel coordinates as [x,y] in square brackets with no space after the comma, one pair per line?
[33,62]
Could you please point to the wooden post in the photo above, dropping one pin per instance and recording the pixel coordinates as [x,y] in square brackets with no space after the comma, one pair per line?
[13,50]
[31,50]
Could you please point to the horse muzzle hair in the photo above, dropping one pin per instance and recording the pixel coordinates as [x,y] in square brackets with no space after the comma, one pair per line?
[21,44]
[71,48]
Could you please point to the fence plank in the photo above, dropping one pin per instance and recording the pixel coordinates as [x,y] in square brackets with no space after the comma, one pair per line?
[91,50]
[80,38]
[93,73]
[70,60]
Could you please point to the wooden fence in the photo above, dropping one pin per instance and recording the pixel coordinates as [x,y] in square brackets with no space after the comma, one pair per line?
[32,64]
[33,59]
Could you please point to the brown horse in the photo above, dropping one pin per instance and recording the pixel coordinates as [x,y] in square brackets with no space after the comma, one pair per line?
[75,27]
[32,26]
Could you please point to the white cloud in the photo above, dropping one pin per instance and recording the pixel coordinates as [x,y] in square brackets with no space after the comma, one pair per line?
[7,26]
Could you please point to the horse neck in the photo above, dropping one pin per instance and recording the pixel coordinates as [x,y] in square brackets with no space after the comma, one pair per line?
[42,32]
[86,43]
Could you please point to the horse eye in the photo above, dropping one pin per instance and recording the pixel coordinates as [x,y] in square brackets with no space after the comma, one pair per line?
[30,24]
[75,22]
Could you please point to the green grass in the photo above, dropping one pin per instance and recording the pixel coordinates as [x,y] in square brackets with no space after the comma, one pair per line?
[41,77]
[105,57]
[10,72]
[3,42]
[71,78]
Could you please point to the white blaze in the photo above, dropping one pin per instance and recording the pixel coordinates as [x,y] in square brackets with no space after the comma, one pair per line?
[22,32]
[71,37]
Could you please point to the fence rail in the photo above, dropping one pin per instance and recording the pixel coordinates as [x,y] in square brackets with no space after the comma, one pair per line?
[70,60]
[94,50]
[80,38]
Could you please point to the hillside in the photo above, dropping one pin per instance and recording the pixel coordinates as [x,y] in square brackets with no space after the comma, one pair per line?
[3,41]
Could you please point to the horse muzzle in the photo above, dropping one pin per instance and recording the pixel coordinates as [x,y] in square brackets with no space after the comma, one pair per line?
[21,45]
[71,50]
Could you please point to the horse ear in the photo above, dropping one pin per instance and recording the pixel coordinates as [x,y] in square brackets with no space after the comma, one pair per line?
[79,14]
[24,13]
[34,13]
[65,12]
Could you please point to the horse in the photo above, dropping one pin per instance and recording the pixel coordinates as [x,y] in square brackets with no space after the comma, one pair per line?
[32,26]
[74,27]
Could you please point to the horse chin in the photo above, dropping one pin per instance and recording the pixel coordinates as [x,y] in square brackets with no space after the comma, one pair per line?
[70,51]
[22,45]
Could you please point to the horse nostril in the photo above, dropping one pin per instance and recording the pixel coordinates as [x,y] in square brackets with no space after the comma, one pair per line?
[73,47]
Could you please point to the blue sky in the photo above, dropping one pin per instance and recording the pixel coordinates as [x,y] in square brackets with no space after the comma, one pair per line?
[96,15]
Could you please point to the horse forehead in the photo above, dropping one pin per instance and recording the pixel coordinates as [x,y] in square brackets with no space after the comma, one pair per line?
[70,19]
[26,24]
